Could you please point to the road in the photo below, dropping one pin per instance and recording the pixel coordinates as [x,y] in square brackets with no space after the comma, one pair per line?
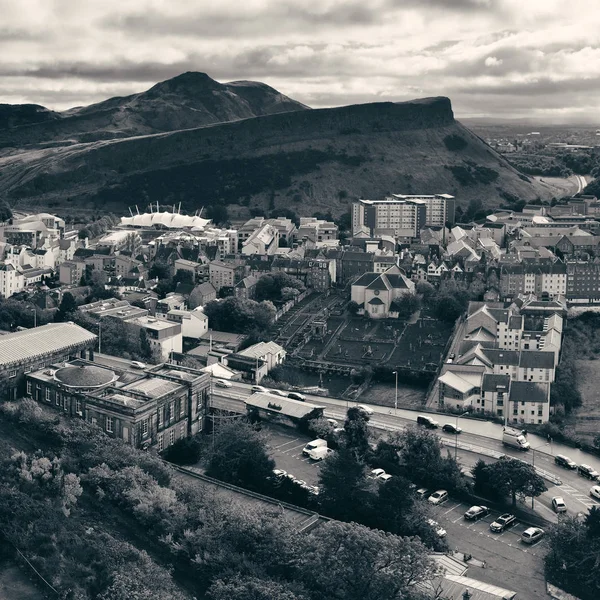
[581,183]
[484,436]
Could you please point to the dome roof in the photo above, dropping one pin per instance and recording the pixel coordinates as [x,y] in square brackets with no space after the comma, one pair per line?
[84,376]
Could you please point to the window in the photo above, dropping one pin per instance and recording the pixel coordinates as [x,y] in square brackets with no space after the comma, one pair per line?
[109,424]
[66,403]
[78,406]
[47,395]
[172,437]
[182,430]
[171,410]
[29,388]
[12,373]
[182,407]
[161,412]
[161,443]
[144,427]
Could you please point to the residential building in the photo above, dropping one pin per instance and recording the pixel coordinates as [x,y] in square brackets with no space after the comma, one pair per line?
[164,336]
[400,218]
[195,268]
[548,279]
[222,274]
[375,292]
[202,294]
[153,410]
[171,301]
[112,307]
[24,351]
[246,288]
[350,264]
[12,279]
[285,227]
[248,229]
[317,231]
[271,353]
[194,323]
[263,241]
[583,281]
[440,207]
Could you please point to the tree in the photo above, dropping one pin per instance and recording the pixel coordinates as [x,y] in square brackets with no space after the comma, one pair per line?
[356,427]
[159,270]
[352,562]
[254,588]
[239,456]
[185,451]
[84,233]
[218,214]
[239,315]
[271,286]
[183,276]
[67,307]
[514,478]
[425,289]
[450,301]
[406,305]
[345,493]
[352,307]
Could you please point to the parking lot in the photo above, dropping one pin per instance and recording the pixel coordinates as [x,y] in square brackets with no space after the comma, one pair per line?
[509,563]
[285,446]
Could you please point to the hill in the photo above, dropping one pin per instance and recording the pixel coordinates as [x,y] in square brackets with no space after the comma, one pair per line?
[186,101]
[305,160]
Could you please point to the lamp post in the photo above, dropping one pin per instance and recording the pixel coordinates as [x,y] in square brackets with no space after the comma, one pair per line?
[456,433]
[396,395]
[533,465]
[33,308]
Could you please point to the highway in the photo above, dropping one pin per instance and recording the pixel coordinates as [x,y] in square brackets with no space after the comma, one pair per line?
[483,437]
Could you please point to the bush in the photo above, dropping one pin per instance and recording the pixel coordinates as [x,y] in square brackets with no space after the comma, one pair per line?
[186,451]
[455,142]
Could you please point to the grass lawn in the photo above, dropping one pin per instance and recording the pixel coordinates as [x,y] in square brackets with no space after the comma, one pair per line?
[586,420]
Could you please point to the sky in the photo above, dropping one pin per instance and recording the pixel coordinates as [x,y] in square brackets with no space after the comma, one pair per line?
[532,59]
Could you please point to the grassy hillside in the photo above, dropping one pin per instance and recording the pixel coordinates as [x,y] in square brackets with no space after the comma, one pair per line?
[305,160]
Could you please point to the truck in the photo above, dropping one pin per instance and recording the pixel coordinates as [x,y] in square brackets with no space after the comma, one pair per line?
[311,446]
[514,438]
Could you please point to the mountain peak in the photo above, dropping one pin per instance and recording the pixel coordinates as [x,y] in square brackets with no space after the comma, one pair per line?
[191,81]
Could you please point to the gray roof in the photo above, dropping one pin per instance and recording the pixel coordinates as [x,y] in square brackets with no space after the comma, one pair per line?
[288,407]
[40,341]
[84,376]
[529,391]
[502,357]
[534,359]
[491,382]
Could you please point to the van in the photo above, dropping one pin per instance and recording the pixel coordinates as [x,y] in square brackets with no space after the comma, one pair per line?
[427,422]
[319,453]
[313,446]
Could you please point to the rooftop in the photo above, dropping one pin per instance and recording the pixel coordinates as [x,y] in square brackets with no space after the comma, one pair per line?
[84,376]
[287,406]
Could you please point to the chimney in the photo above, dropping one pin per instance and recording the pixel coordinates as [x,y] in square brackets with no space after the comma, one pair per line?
[466,595]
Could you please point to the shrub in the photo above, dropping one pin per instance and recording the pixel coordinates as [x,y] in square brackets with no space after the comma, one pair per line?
[455,142]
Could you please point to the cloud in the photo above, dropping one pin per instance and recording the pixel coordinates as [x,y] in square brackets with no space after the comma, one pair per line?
[492,61]
[495,56]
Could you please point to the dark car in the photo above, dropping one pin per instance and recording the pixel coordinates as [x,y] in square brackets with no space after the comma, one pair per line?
[476,512]
[587,472]
[565,461]
[449,428]
[503,522]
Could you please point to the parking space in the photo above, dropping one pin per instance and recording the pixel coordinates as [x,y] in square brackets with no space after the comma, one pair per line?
[451,514]
[285,447]
[568,491]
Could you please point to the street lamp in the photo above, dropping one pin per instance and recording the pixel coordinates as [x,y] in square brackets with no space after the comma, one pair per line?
[533,464]
[34,316]
[456,433]
[396,395]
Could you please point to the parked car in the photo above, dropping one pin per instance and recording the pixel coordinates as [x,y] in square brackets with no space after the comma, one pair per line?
[532,535]
[439,531]
[476,512]
[558,504]
[587,471]
[384,477]
[279,393]
[449,428]
[259,389]
[311,446]
[503,522]
[366,409]
[438,497]
[222,383]
[422,492]
[466,472]
[564,461]
[595,492]
[136,364]
[279,475]
[296,396]
[375,473]
[333,423]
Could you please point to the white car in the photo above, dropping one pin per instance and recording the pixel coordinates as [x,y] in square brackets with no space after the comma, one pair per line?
[278,393]
[375,473]
[136,364]
[595,492]
[439,531]
[438,497]
[366,409]
[259,389]
[384,477]
[222,383]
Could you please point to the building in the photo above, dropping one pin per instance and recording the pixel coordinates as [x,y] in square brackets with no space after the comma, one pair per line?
[583,281]
[171,301]
[112,307]
[264,241]
[222,274]
[33,230]
[285,227]
[202,294]
[317,231]
[271,353]
[540,279]
[440,207]
[246,288]
[12,280]
[194,323]
[284,411]
[402,219]
[24,351]
[375,292]
[158,407]
[164,337]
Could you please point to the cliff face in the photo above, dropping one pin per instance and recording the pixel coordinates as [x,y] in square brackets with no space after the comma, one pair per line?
[305,160]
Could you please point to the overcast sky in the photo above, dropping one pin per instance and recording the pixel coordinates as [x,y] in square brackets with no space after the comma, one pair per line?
[498,58]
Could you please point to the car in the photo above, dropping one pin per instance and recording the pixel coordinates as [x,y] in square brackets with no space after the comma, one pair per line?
[595,492]
[438,497]
[587,472]
[466,472]
[136,364]
[365,409]
[384,477]
[277,393]
[333,423]
[564,461]
[279,475]
[314,490]
[532,535]
[375,473]
[558,504]
[259,389]
[439,531]
[503,522]
[427,421]
[449,428]
[296,396]
[222,383]
[476,512]
[422,492]
[300,482]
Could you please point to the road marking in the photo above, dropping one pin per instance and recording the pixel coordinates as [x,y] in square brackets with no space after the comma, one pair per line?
[286,443]
[451,509]
[286,451]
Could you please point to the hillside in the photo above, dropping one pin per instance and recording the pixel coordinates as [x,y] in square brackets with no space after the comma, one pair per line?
[305,160]
[186,101]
